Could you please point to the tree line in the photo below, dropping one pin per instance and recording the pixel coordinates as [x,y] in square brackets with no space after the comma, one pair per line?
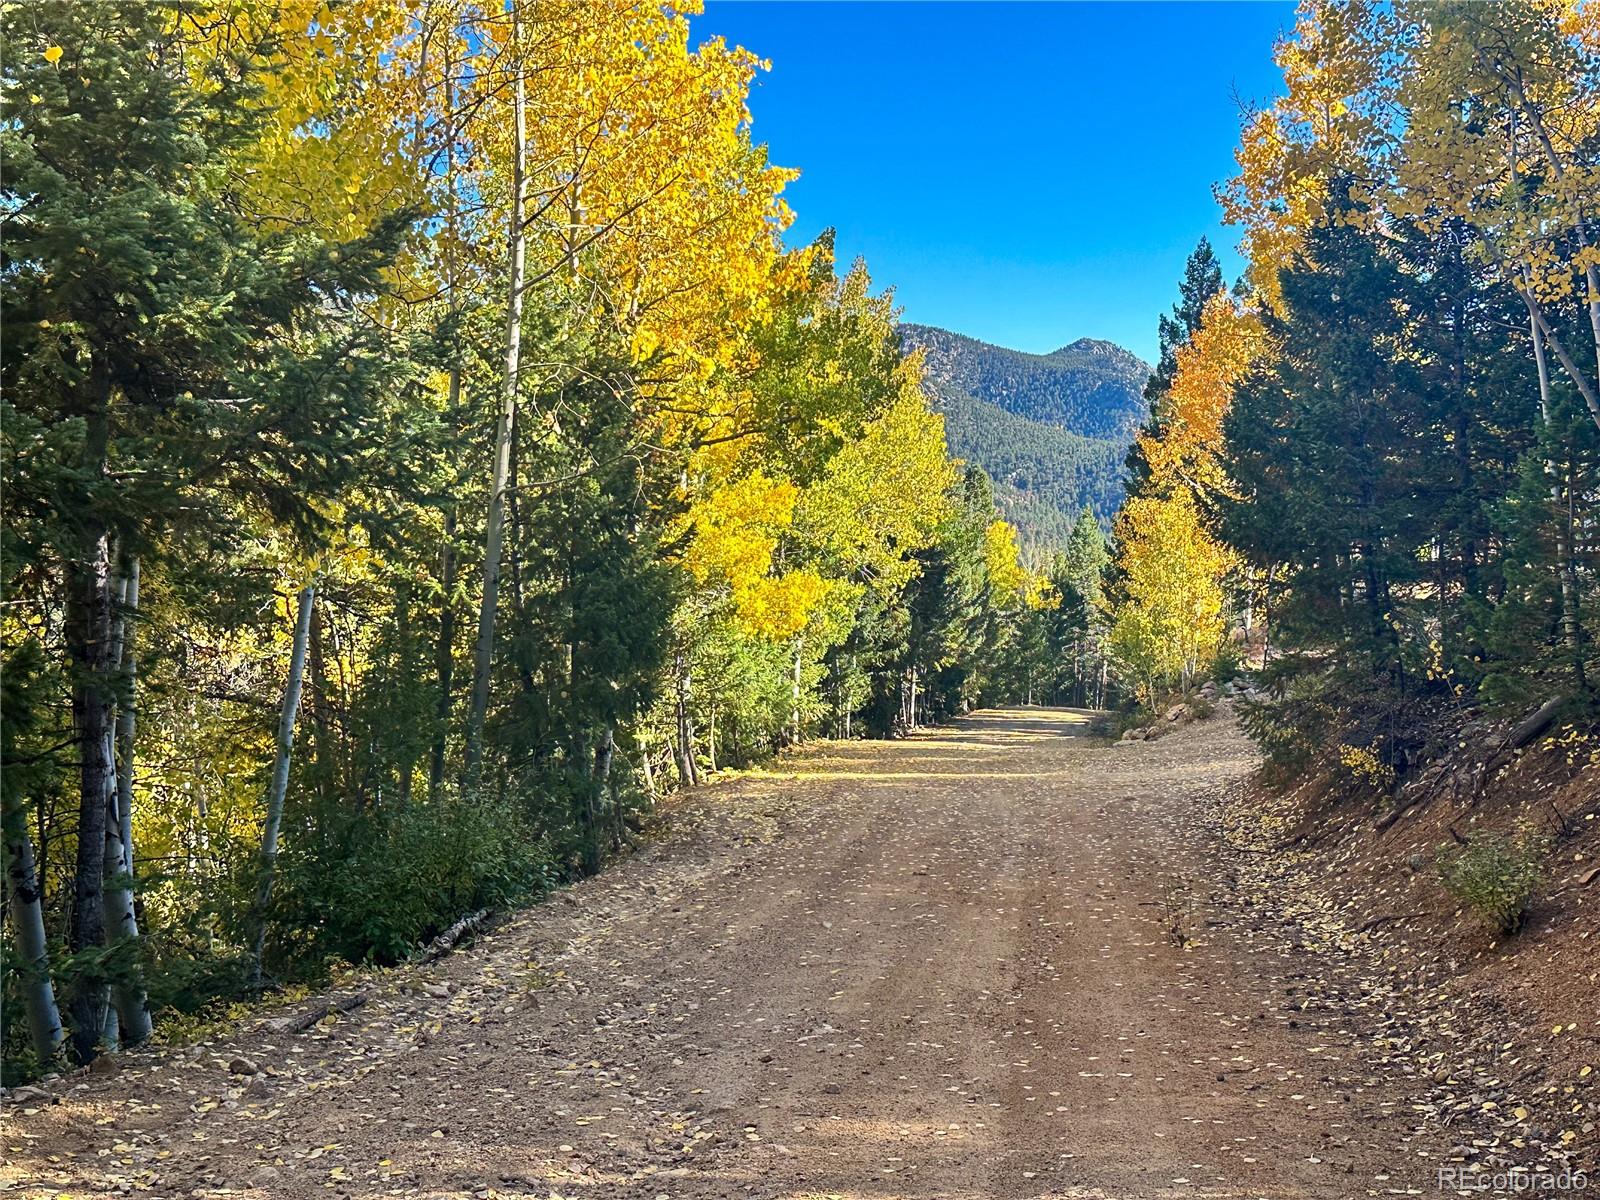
[1375,460]
[421,449]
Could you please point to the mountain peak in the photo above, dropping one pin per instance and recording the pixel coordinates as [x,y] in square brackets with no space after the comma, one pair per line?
[1090,387]
[1088,345]
[1050,430]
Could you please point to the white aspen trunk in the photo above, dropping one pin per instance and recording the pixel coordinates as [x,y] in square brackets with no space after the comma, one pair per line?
[483,653]
[25,902]
[444,654]
[686,767]
[115,902]
[1592,278]
[116,896]
[794,695]
[644,764]
[1591,274]
[1586,388]
[88,632]
[279,785]
[133,1005]
[575,220]
[1266,615]
[1564,568]
[127,716]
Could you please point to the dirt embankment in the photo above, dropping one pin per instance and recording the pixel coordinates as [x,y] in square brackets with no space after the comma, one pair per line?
[1502,1032]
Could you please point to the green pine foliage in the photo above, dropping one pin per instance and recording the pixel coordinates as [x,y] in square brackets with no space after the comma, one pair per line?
[177,376]
[1528,653]
[1419,504]
[1202,279]
[1332,439]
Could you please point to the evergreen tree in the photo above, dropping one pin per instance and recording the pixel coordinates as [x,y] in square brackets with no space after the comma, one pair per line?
[951,622]
[1085,557]
[1534,645]
[1079,577]
[1333,442]
[590,602]
[1202,279]
[162,351]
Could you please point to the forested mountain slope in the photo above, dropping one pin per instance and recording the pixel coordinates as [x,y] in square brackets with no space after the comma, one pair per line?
[1090,387]
[1043,474]
[1050,429]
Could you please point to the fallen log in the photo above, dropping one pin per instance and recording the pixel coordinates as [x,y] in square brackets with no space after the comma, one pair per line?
[1529,730]
[331,1006]
[1376,922]
[1418,797]
[446,941]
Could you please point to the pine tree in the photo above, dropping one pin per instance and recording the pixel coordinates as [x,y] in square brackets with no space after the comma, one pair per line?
[1086,556]
[1537,643]
[1202,279]
[161,351]
[951,620]
[590,601]
[1332,440]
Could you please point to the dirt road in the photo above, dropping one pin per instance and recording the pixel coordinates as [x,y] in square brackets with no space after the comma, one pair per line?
[998,960]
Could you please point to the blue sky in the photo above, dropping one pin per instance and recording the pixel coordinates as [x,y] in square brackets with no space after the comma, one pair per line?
[1028,174]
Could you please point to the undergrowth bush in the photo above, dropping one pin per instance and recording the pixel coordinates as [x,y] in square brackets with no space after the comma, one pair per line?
[1291,728]
[1229,664]
[1363,771]
[1494,875]
[372,886]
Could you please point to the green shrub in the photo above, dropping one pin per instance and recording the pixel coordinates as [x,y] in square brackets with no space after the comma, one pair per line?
[1494,875]
[372,886]
[1291,730]
[1229,663]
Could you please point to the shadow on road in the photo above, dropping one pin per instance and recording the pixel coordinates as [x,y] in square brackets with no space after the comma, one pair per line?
[1029,723]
